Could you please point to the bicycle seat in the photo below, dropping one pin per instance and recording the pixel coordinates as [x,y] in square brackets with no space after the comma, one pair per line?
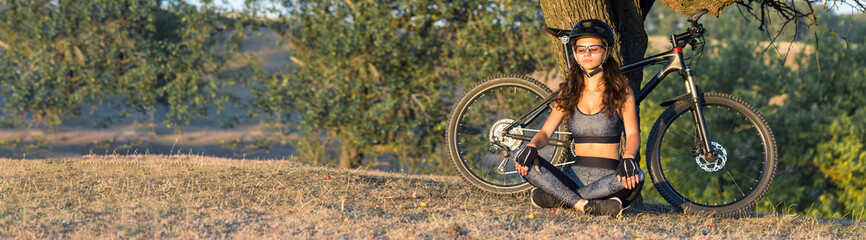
[555,32]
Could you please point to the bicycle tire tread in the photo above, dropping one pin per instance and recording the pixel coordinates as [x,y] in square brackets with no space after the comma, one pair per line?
[729,210]
[460,104]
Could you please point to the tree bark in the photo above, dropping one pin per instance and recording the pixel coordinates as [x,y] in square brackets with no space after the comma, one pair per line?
[350,154]
[626,17]
[689,7]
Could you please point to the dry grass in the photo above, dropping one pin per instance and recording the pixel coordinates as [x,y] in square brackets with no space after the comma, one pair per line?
[203,197]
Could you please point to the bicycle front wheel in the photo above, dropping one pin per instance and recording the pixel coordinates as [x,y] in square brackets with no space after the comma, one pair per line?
[732,182]
[474,135]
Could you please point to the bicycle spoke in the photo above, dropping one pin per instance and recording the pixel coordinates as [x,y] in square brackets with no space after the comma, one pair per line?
[735,183]
[711,183]
[487,112]
[730,126]
[719,190]
[690,178]
[741,174]
[684,134]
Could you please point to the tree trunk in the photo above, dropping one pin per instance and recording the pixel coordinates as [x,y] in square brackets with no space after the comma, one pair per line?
[350,155]
[624,16]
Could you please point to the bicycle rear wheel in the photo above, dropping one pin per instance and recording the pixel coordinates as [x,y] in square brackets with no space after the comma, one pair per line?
[479,119]
[727,185]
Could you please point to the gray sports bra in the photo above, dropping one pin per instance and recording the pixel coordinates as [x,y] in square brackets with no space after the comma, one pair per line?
[595,128]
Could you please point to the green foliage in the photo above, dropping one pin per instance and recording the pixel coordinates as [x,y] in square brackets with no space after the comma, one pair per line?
[842,163]
[823,124]
[664,21]
[815,109]
[134,55]
[381,75]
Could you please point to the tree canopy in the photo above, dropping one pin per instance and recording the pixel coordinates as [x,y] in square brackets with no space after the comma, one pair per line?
[62,59]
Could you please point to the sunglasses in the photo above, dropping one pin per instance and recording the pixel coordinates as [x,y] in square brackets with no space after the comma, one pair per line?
[594,49]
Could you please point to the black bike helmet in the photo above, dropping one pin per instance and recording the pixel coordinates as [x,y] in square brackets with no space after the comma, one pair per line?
[592,28]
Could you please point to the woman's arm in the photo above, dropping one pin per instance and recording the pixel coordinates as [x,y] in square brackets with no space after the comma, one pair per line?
[543,136]
[632,133]
[632,144]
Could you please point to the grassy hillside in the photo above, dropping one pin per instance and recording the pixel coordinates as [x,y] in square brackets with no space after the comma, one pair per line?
[187,196]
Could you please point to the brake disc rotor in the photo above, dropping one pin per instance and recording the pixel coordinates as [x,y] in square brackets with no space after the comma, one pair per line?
[712,165]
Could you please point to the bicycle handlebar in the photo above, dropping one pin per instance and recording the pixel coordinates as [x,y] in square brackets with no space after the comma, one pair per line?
[696,31]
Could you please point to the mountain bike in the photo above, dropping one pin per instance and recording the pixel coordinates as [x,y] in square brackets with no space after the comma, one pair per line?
[706,153]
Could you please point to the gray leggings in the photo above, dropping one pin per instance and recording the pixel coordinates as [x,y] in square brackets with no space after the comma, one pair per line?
[580,182]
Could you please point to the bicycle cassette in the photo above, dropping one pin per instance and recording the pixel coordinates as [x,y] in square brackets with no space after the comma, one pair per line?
[497,134]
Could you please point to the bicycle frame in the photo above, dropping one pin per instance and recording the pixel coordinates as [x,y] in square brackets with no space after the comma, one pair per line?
[674,63]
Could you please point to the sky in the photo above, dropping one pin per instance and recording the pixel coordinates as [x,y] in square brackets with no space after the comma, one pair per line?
[233,4]
[842,8]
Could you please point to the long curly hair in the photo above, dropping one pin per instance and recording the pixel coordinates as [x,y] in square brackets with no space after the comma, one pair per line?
[615,84]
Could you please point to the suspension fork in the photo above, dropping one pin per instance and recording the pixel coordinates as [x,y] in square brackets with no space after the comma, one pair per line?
[696,100]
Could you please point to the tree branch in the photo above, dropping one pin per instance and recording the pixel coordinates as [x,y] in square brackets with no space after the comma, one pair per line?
[789,13]
[3,45]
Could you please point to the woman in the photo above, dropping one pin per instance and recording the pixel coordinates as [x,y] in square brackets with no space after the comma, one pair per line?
[599,106]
